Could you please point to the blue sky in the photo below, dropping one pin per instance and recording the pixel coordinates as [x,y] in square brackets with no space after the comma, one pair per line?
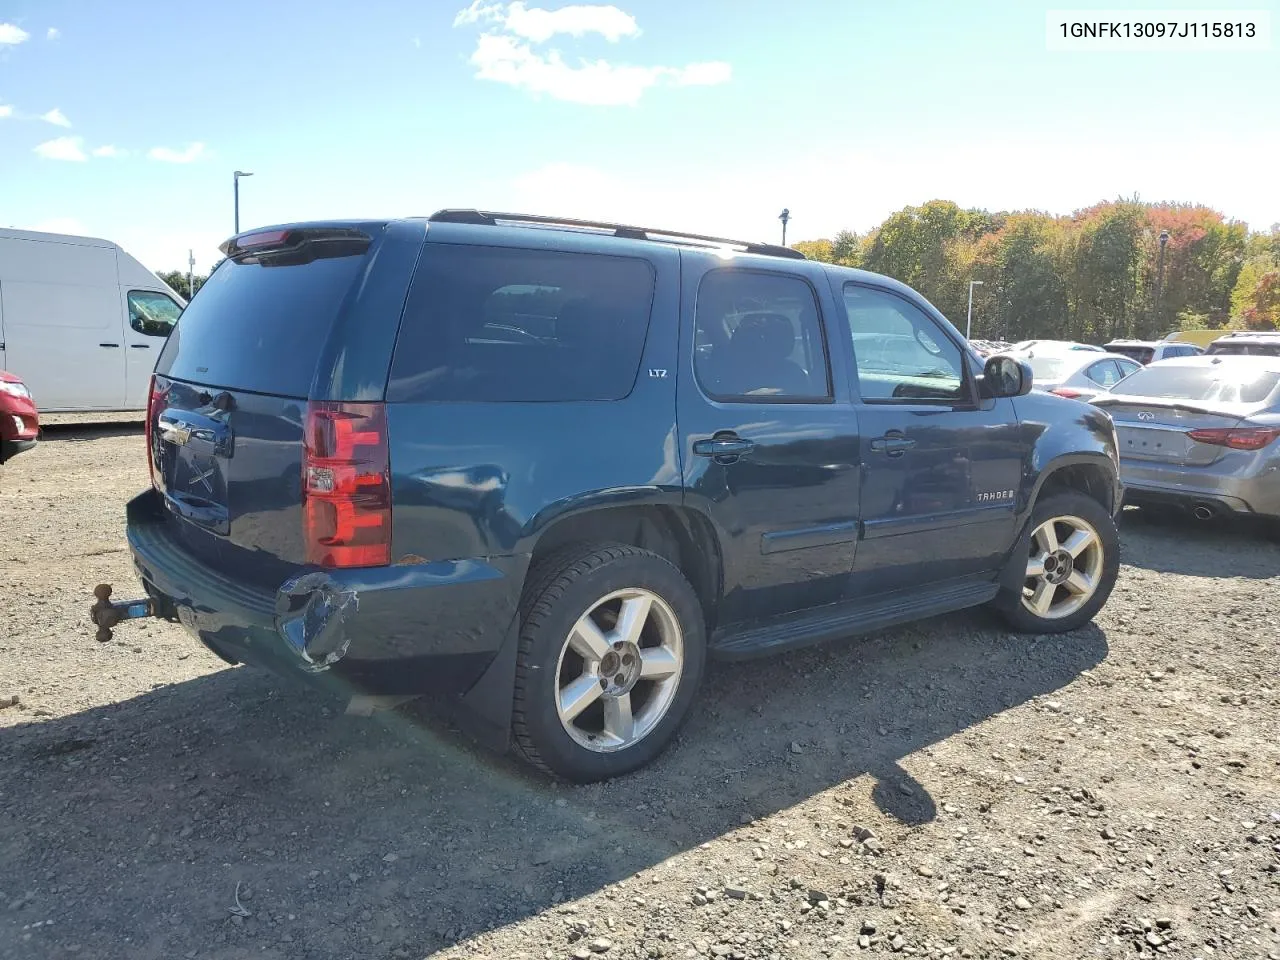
[708,116]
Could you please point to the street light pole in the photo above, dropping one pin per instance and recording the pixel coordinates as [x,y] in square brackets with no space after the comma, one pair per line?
[235,180]
[784,216]
[968,326]
[191,268]
[1164,239]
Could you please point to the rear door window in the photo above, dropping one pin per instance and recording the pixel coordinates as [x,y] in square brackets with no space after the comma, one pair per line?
[759,338]
[501,324]
[1104,372]
[261,326]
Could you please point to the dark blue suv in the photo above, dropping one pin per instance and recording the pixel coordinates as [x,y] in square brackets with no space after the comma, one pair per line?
[546,468]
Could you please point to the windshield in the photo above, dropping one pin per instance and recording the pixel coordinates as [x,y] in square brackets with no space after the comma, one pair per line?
[1222,384]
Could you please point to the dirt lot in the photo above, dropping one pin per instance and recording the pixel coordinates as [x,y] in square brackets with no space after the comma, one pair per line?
[943,790]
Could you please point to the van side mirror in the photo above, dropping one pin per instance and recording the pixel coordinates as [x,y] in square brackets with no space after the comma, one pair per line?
[1005,376]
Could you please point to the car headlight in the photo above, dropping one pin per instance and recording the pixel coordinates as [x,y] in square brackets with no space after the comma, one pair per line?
[15,389]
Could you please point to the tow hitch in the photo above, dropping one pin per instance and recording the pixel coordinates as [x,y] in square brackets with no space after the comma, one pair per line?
[106,614]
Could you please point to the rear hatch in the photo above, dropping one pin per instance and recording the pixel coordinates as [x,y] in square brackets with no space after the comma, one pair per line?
[230,396]
[1153,430]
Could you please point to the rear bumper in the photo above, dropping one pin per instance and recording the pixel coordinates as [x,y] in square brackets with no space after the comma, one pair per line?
[1257,493]
[407,629]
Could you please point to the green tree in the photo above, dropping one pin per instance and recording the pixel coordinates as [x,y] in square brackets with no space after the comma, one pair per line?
[177,282]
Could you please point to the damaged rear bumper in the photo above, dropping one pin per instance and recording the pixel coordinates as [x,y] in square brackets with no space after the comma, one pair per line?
[418,628]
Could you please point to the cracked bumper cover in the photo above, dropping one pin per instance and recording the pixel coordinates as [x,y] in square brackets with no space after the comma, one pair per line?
[439,627]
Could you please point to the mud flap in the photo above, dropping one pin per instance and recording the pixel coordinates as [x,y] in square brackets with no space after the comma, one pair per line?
[1014,572]
[486,706]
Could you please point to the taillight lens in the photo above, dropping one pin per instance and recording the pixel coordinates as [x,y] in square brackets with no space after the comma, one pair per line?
[1067,392]
[346,485]
[155,400]
[1237,438]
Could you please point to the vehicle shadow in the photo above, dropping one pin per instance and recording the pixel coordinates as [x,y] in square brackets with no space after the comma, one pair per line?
[80,432]
[1171,541]
[364,837]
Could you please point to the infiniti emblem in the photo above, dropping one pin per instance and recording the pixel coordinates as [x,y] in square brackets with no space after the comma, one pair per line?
[1146,415]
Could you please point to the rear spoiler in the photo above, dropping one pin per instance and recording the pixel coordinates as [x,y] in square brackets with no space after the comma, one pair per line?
[281,241]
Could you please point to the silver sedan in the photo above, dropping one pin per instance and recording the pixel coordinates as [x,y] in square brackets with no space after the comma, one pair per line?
[1201,432]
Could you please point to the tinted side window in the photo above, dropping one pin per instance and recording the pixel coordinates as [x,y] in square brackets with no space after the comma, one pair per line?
[1104,372]
[759,337]
[900,352]
[152,314]
[496,324]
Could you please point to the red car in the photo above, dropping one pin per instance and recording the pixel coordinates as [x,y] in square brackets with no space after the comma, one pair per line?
[19,420]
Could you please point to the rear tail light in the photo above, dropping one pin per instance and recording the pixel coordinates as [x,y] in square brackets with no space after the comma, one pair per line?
[1067,392]
[155,400]
[1237,438]
[346,485]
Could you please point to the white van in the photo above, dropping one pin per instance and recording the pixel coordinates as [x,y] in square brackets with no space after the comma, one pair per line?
[81,321]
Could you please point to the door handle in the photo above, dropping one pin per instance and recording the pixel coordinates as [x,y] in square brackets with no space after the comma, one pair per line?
[108,344]
[140,346]
[723,448]
[893,445]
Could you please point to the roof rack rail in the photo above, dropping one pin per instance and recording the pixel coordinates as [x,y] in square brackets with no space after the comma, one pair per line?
[1250,333]
[490,218]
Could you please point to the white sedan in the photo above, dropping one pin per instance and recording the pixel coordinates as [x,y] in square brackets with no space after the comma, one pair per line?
[1077,374]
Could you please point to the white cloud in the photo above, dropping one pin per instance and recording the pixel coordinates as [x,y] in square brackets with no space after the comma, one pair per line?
[5,111]
[56,117]
[192,152]
[505,53]
[107,150]
[11,35]
[540,25]
[53,33]
[417,43]
[63,148]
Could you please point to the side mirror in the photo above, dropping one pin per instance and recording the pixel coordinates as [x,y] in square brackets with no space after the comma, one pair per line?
[1006,376]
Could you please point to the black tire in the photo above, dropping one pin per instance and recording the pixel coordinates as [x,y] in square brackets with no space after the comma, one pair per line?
[1009,603]
[560,590]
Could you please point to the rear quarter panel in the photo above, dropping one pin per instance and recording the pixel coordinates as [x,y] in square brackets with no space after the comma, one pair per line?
[487,479]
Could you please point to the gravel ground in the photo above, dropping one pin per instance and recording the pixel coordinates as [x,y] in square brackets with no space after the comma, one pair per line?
[947,789]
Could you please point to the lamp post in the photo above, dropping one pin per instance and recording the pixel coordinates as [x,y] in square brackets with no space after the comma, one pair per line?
[1164,239]
[784,216]
[235,180]
[968,325]
[191,269]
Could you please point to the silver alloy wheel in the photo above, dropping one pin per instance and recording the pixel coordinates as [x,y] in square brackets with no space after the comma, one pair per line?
[619,670]
[1064,569]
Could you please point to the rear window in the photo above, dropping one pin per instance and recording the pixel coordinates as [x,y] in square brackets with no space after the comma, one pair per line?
[1045,369]
[1245,349]
[1224,384]
[498,324]
[260,326]
[1141,354]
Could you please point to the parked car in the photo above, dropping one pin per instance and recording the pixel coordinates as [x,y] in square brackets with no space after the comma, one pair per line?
[1047,345]
[1078,374]
[1253,343]
[19,419]
[1200,338]
[1201,432]
[987,348]
[81,321]
[1146,351]
[400,490]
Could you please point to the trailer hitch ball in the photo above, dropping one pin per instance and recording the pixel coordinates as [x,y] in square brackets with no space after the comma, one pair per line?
[106,614]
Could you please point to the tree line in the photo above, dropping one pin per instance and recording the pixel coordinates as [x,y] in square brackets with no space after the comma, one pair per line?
[1091,276]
